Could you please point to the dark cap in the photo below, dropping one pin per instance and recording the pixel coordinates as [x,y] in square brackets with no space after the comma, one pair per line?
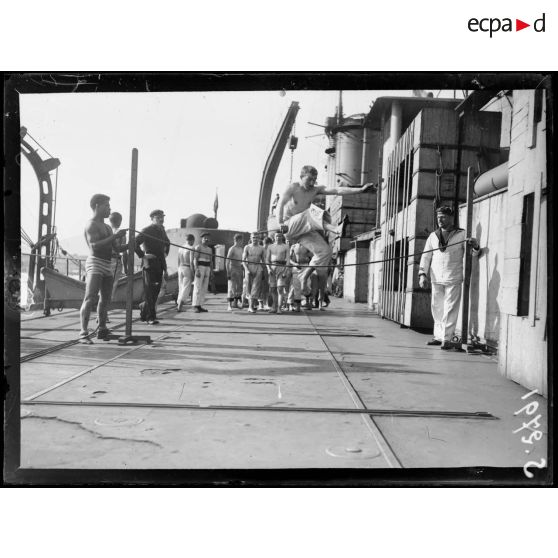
[445,210]
[205,234]
[156,212]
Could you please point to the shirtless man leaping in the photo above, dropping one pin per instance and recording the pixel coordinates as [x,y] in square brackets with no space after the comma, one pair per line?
[294,214]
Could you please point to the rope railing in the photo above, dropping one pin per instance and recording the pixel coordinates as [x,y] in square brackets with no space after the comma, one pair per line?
[71,258]
[373,262]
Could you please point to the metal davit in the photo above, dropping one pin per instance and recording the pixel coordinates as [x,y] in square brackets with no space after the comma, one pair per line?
[272,164]
[42,250]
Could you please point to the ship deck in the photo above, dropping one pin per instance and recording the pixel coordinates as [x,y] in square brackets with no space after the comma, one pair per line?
[231,390]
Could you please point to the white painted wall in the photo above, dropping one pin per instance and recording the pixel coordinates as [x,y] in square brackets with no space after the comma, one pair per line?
[355,283]
[375,253]
[523,345]
[489,222]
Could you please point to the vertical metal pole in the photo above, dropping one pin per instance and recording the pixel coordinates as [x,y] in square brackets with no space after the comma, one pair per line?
[364,158]
[467,270]
[292,161]
[387,251]
[404,250]
[67,267]
[396,262]
[79,270]
[131,242]
[536,251]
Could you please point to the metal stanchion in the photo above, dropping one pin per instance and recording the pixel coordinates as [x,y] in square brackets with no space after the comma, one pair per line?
[463,343]
[128,337]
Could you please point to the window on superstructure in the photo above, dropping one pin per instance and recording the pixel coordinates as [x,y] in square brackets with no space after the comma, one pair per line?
[537,117]
[410,178]
[401,184]
[525,255]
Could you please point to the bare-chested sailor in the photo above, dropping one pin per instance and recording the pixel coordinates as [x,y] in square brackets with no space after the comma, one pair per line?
[119,261]
[301,284]
[277,264]
[253,262]
[295,214]
[98,265]
[264,296]
[233,264]
[185,272]
[203,258]
[299,256]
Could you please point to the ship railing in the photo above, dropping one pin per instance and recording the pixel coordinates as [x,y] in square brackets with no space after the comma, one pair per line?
[68,265]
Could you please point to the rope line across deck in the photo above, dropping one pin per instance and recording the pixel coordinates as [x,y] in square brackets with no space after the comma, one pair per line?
[315,266]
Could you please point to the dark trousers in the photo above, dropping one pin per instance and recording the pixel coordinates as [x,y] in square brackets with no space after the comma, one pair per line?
[152,279]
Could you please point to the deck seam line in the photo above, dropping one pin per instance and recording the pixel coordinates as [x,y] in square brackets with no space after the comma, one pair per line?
[90,369]
[341,410]
[383,444]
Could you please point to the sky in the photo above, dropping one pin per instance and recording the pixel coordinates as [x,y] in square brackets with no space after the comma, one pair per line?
[191,145]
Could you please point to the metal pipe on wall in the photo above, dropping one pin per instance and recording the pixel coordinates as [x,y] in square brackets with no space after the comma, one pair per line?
[395,124]
[364,163]
[492,180]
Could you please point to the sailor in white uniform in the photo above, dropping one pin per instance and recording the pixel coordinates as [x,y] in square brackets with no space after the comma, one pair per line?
[445,267]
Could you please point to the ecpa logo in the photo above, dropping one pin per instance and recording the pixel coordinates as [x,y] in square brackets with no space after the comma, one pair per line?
[494,24]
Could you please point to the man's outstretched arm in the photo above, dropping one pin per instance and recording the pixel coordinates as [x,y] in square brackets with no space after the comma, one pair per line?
[346,190]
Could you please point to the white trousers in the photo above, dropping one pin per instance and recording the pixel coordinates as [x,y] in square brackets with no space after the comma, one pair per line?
[445,309]
[200,285]
[314,242]
[185,280]
[309,220]
[295,292]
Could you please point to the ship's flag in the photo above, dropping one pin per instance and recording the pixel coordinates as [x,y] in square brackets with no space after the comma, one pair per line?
[216,204]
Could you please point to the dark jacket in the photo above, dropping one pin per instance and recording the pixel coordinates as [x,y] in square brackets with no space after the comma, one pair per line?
[156,242]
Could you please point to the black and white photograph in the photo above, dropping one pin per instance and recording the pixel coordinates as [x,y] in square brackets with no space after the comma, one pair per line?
[268,278]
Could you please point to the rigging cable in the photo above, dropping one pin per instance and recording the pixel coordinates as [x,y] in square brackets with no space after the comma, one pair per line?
[30,136]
